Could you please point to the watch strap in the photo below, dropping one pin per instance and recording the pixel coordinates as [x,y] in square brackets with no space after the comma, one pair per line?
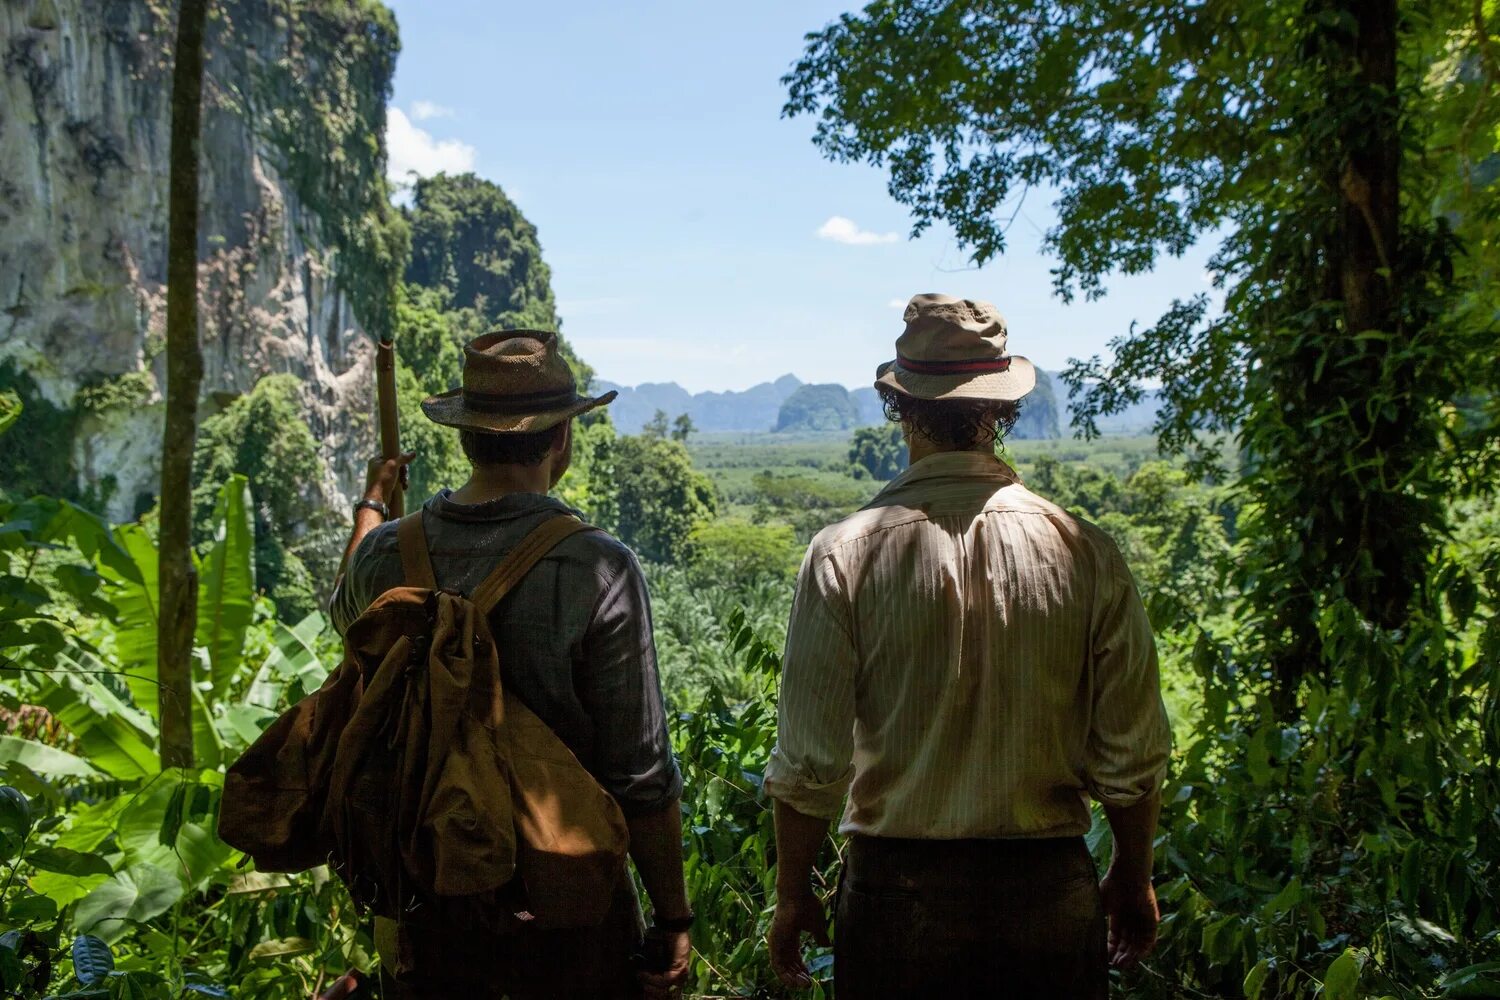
[674,925]
[376,506]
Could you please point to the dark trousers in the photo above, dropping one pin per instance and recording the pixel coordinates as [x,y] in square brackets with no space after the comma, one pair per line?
[589,964]
[1010,919]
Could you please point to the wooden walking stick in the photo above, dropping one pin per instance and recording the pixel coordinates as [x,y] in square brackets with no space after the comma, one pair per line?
[390,437]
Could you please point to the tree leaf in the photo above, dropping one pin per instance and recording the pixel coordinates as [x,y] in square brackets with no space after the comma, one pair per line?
[47,761]
[112,733]
[1342,978]
[139,893]
[226,589]
[92,959]
[34,909]
[135,596]
[1482,980]
[282,947]
[65,861]
[208,745]
[1255,979]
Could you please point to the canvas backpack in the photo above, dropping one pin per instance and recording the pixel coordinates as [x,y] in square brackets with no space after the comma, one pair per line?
[438,798]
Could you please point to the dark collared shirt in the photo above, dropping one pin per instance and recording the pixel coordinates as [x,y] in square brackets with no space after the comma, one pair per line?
[574,635]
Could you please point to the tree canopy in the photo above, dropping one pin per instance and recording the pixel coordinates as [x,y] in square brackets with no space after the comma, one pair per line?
[880,451]
[470,239]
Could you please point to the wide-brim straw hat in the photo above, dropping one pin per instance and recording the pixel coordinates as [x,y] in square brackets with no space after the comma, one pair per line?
[955,349]
[515,382]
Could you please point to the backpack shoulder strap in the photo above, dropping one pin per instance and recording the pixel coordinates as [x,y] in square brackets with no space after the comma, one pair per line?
[523,557]
[416,563]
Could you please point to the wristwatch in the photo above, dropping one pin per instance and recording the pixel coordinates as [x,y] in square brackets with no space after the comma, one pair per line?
[675,925]
[376,506]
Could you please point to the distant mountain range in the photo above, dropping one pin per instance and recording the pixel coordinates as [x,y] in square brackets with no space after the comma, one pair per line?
[789,404]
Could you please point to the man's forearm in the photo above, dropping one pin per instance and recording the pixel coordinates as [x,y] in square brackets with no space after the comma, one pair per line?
[656,848]
[798,837]
[365,521]
[1134,830]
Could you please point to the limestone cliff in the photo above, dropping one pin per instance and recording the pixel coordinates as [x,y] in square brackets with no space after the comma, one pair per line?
[299,247]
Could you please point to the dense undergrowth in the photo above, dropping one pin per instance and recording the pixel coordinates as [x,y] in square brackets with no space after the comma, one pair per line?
[1349,852]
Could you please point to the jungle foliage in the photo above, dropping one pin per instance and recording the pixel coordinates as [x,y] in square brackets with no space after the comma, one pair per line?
[1319,548]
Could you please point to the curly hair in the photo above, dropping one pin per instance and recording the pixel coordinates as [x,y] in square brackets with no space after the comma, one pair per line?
[952,423]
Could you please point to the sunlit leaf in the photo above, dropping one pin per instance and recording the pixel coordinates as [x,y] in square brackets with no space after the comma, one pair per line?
[137,894]
[282,948]
[226,588]
[45,760]
[135,596]
[113,734]
[1341,981]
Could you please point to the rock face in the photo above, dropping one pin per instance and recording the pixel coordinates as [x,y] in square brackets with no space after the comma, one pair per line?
[85,91]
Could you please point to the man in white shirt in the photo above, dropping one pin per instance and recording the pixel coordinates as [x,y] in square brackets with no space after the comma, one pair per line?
[968,664]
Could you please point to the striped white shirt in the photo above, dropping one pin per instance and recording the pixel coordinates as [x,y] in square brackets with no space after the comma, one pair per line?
[965,659]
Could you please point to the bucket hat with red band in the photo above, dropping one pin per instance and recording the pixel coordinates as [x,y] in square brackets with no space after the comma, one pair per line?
[955,349]
[515,382]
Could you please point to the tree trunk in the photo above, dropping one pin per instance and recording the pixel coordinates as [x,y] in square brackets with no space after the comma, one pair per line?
[1371,265]
[179,580]
[1340,528]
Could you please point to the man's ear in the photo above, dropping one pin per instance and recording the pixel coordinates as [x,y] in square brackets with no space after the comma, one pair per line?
[562,436]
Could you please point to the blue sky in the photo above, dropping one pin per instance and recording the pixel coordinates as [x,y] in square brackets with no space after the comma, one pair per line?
[694,235]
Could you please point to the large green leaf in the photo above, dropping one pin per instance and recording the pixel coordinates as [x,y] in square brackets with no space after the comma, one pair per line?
[49,762]
[91,826]
[136,597]
[65,889]
[226,589]
[208,744]
[193,854]
[139,893]
[1341,980]
[66,861]
[243,725]
[93,537]
[116,737]
[294,661]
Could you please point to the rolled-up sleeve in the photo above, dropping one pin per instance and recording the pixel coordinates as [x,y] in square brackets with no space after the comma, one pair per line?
[1130,738]
[351,592]
[811,765]
[621,691]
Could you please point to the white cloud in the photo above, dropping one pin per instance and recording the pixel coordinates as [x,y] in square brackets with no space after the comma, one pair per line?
[414,151]
[423,110]
[842,230]
[896,304]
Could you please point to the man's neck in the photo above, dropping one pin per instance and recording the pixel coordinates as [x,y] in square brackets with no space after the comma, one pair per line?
[491,482]
[919,447]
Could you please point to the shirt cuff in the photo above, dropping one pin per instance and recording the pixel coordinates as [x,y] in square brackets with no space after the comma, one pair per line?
[787,783]
[641,797]
[1123,792]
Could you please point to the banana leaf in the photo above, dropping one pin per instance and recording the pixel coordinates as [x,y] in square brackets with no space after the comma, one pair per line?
[47,761]
[135,597]
[226,588]
[117,738]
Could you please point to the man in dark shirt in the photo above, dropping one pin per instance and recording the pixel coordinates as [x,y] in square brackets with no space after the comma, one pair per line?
[576,647]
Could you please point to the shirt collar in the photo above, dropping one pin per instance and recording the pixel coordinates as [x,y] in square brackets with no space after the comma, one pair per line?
[502,509]
[956,465]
